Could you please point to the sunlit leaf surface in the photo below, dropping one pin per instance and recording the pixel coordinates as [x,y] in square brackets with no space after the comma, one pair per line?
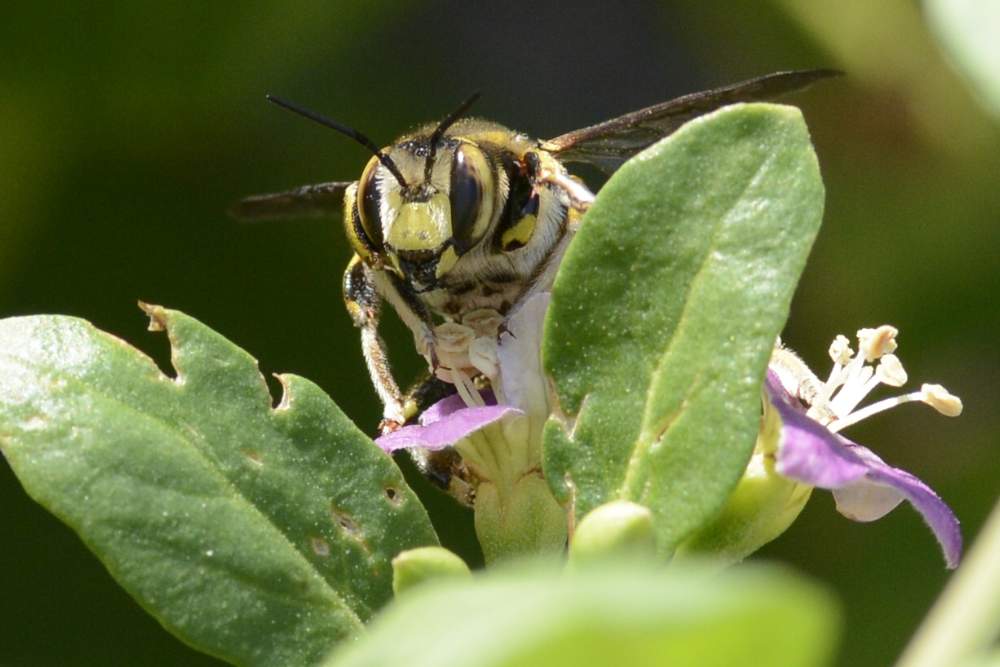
[666,309]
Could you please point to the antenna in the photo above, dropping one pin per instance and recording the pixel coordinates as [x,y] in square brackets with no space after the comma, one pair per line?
[347,131]
[443,126]
[450,119]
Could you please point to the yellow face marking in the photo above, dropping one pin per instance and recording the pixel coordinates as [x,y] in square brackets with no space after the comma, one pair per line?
[421,225]
[448,259]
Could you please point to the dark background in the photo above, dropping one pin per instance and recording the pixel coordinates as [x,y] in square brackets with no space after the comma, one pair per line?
[127,129]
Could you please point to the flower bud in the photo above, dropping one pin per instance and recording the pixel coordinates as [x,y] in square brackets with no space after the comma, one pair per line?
[618,528]
[416,566]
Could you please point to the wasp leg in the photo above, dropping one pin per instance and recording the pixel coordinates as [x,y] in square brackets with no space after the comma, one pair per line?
[411,310]
[443,468]
[364,305]
[364,290]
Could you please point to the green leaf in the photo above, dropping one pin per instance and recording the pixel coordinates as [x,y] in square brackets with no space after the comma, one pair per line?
[604,616]
[261,535]
[967,29]
[665,312]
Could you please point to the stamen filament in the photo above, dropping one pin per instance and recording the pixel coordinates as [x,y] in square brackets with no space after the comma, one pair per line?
[466,389]
[874,408]
[835,380]
[853,391]
[861,392]
[853,376]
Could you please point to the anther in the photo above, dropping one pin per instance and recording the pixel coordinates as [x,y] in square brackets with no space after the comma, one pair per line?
[941,400]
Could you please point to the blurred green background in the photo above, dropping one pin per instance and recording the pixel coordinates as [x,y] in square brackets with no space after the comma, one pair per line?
[127,128]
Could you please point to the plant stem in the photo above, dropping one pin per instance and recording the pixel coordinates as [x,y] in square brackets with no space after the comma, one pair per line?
[966,618]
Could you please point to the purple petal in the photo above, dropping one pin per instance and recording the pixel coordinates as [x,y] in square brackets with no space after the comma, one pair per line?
[444,425]
[441,409]
[808,451]
[883,479]
[864,486]
[448,406]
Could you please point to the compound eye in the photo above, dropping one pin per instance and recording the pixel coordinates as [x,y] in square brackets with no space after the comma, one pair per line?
[370,204]
[471,192]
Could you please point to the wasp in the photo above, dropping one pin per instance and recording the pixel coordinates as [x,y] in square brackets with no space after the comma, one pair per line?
[466,216]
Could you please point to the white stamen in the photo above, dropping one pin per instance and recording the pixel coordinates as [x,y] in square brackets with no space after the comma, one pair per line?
[840,350]
[859,383]
[941,400]
[840,377]
[852,379]
[835,379]
[890,371]
[874,343]
[873,409]
[466,389]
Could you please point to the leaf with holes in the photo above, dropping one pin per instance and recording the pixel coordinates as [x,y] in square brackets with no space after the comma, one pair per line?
[665,311]
[260,535]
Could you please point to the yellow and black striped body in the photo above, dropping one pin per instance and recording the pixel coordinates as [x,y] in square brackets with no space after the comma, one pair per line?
[470,227]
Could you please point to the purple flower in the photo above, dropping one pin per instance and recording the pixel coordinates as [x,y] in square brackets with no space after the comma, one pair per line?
[513,366]
[444,424]
[498,439]
[810,450]
[799,446]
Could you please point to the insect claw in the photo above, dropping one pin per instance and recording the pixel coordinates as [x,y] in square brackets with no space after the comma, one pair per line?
[387,426]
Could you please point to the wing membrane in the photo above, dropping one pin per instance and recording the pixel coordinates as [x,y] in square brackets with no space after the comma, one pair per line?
[308,201]
[612,142]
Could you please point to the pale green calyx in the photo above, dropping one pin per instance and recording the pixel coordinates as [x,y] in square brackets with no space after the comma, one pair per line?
[762,506]
[515,511]
[519,519]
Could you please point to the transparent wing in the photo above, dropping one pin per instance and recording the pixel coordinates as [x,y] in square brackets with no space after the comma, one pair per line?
[308,201]
[612,142]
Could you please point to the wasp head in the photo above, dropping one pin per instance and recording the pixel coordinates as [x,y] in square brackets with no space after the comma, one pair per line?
[439,206]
